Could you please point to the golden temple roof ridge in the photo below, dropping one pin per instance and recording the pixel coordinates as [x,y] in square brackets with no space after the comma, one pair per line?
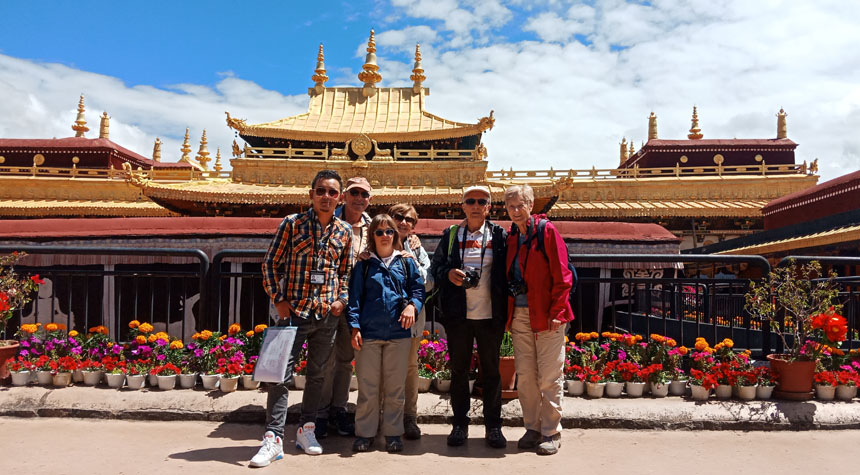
[319,76]
[417,76]
[695,131]
[370,70]
[80,125]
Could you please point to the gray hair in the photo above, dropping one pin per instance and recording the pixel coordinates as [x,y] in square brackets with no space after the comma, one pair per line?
[524,191]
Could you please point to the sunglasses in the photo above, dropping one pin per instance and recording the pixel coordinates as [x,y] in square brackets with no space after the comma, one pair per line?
[363,193]
[408,219]
[387,232]
[480,201]
[323,191]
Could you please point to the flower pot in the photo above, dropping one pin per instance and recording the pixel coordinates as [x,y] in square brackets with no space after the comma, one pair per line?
[135,381]
[228,384]
[62,379]
[8,350]
[299,381]
[115,380]
[763,392]
[659,389]
[844,392]
[153,380]
[44,377]
[167,382]
[210,381]
[78,376]
[92,378]
[825,392]
[20,378]
[187,380]
[634,388]
[699,393]
[613,389]
[723,391]
[795,378]
[575,388]
[442,385]
[677,387]
[353,383]
[248,382]
[424,384]
[746,393]
[595,390]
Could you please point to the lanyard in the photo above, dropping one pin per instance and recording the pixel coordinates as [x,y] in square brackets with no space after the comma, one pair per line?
[322,243]
[483,246]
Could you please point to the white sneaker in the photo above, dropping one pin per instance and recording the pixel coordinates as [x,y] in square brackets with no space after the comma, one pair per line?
[271,449]
[306,439]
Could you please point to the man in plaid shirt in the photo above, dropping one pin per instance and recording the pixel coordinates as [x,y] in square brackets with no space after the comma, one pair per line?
[313,253]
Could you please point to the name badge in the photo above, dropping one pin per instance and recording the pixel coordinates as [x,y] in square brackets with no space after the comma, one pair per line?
[317,277]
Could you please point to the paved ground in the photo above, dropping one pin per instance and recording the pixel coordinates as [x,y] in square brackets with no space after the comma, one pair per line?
[88,446]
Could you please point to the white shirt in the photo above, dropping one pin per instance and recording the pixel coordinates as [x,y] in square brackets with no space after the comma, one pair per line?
[478,303]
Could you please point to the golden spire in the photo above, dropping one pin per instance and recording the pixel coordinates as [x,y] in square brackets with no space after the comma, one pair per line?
[417,71]
[186,149]
[370,71]
[652,126]
[80,125]
[320,77]
[156,150]
[781,128]
[104,127]
[695,131]
[203,153]
[218,167]
[624,155]
[632,150]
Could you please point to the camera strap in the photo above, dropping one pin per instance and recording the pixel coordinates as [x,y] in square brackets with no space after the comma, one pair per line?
[527,244]
[483,247]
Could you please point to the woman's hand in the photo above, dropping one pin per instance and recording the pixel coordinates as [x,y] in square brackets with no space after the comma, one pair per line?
[414,242]
[364,255]
[356,339]
[407,316]
[555,324]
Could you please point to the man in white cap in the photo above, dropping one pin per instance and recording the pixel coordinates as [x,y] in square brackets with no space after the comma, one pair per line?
[335,393]
[473,292]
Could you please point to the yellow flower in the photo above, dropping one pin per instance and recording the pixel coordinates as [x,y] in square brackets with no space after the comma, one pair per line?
[140,339]
[205,335]
[133,324]
[249,333]
[29,328]
[594,335]
[728,343]
[260,328]
[51,327]
[162,336]
[195,336]
[566,339]
[605,334]
[222,337]
[145,327]
[234,329]
[670,342]
[151,339]
[424,342]
[701,344]
[176,345]
[73,333]
[110,344]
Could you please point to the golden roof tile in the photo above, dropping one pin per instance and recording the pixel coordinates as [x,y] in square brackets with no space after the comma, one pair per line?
[823,238]
[657,208]
[78,208]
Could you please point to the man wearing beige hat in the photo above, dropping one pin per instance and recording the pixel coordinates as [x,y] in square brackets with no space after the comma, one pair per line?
[335,392]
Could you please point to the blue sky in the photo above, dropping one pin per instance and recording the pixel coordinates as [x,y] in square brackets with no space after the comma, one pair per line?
[567,79]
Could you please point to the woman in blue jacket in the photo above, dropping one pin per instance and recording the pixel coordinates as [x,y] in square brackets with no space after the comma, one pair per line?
[385,293]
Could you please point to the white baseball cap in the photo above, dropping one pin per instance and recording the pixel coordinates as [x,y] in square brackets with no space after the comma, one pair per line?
[482,189]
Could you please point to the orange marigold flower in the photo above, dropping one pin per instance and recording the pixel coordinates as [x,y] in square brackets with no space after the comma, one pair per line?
[683,350]
[234,329]
[176,345]
[260,328]
[222,337]
[426,333]
[133,324]
[29,328]
[605,334]
[51,327]
[594,335]
[73,333]
[249,333]
[151,338]
[145,327]
[140,339]
[671,343]
[566,339]
[205,335]
[638,338]
[162,336]
[700,345]
[61,326]
[837,351]
[728,343]
[424,342]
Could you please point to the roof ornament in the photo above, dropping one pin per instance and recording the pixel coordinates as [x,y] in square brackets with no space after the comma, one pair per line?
[320,77]
[80,125]
[370,71]
[104,126]
[652,126]
[632,150]
[186,149]
[781,128]
[203,152]
[417,71]
[156,150]
[623,151]
[218,166]
[487,123]
[695,131]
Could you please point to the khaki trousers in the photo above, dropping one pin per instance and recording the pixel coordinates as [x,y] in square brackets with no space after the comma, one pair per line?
[411,407]
[380,366]
[539,360]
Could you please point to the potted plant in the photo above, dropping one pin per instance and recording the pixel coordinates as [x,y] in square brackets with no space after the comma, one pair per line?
[166,376]
[114,370]
[426,364]
[658,379]
[825,385]
[203,349]
[20,370]
[765,382]
[61,371]
[574,368]
[631,374]
[846,384]
[507,367]
[442,380]
[136,373]
[15,292]
[248,374]
[613,378]
[799,305]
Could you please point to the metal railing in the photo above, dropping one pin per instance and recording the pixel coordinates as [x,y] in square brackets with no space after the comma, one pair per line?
[635,173]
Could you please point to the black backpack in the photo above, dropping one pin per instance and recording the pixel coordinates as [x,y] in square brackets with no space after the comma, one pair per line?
[539,232]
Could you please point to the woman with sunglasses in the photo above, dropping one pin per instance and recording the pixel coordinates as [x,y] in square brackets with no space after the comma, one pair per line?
[406,218]
[386,292]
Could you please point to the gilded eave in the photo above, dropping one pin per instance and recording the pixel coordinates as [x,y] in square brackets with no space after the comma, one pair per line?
[824,238]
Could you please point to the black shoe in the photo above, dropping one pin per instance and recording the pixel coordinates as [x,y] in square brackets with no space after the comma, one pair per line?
[345,426]
[411,431]
[393,444]
[362,444]
[321,430]
[495,439]
[530,440]
[458,436]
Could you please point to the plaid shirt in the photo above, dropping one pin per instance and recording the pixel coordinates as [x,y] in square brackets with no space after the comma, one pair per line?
[291,254]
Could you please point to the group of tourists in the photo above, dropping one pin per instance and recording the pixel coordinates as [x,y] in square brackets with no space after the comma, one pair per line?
[355,286]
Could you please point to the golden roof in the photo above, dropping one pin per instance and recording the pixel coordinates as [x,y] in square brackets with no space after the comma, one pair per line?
[341,113]
[657,208]
[78,208]
[823,238]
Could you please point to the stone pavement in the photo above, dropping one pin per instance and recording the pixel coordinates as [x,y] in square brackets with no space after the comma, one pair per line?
[249,406]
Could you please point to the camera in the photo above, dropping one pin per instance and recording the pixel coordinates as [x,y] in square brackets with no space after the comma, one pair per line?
[517,287]
[472,278]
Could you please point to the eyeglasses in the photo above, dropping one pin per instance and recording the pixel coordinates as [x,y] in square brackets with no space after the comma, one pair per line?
[480,201]
[387,232]
[408,219]
[355,192]
[323,191]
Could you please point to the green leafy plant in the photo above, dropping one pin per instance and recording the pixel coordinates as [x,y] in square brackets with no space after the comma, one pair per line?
[15,291]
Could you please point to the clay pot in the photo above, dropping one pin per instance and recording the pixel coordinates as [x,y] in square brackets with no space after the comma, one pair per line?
[795,377]
[8,350]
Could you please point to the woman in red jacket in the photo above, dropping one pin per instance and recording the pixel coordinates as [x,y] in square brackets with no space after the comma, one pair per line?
[538,310]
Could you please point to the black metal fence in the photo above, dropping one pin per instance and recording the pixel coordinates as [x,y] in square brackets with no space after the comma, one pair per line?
[681,296]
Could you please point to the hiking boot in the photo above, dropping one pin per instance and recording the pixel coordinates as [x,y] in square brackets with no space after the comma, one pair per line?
[362,444]
[306,439]
[411,431]
[393,444]
[550,445]
[458,436]
[345,426]
[494,438]
[271,449]
[529,440]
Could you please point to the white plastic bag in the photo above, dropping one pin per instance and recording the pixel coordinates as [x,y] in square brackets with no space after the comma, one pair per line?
[274,357]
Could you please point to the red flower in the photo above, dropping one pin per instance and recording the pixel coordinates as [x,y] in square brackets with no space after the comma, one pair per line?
[37,280]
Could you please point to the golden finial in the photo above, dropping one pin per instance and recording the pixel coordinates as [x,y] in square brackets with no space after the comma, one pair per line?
[218,167]
[80,125]
[632,150]
[781,127]
[652,126]
[320,77]
[624,155]
[186,149]
[370,71]
[156,150]
[695,131]
[203,153]
[104,127]
[417,71]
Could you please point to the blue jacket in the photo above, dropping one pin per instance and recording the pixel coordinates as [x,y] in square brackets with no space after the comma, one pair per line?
[376,293]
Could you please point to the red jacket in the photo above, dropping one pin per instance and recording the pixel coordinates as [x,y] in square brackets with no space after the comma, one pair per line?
[548,278]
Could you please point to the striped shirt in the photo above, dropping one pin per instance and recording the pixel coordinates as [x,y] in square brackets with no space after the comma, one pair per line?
[478,303]
[292,254]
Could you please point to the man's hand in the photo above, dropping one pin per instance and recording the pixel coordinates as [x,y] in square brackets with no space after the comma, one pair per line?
[456,277]
[337,308]
[356,339]
[414,242]
[407,316]
[284,309]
